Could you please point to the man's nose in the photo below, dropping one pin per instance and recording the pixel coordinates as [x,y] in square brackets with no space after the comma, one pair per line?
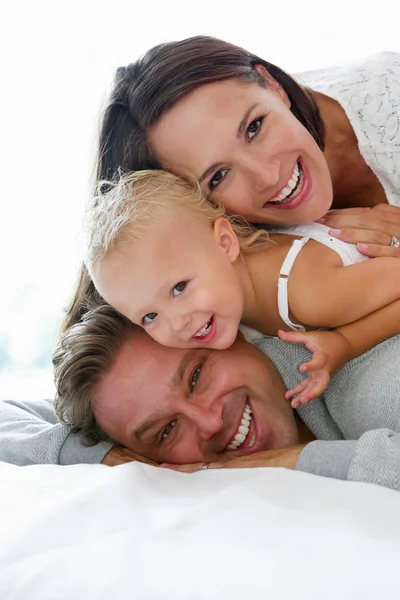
[207,417]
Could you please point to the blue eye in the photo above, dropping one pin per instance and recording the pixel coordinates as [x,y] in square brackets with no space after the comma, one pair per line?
[217,178]
[178,288]
[253,129]
[149,318]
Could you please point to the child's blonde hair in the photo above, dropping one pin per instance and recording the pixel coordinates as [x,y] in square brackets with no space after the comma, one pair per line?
[122,210]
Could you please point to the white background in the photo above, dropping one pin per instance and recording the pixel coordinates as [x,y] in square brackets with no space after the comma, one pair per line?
[57,61]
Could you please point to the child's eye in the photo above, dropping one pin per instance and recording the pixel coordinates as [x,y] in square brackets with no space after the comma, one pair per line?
[253,129]
[178,288]
[217,178]
[149,318]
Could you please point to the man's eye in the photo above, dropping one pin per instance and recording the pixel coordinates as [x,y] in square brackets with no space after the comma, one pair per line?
[194,377]
[217,178]
[178,288]
[167,430]
[149,318]
[253,129]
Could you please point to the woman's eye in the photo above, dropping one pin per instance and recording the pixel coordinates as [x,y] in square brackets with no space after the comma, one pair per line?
[253,129]
[217,178]
[149,318]
[194,377]
[167,430]
[178,288]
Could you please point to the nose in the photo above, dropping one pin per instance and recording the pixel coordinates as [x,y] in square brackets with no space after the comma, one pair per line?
[179,320]
[262,172]
[207,417]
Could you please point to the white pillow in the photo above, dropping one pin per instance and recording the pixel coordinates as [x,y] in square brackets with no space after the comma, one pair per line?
[137,532]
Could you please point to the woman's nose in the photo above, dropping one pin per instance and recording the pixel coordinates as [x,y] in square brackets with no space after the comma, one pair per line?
[264,174]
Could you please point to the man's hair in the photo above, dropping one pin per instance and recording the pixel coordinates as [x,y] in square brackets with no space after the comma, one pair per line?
[85,353]
[123,211]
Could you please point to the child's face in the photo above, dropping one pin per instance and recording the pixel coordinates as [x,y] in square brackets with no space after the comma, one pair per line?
[180,283]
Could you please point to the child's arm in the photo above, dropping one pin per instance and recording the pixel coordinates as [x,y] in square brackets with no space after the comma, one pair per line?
[331,349]
[360,301]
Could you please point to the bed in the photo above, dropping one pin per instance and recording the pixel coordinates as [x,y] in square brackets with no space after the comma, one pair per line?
[138,532]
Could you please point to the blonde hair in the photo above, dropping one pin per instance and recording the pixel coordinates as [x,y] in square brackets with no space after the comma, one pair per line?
[122,210]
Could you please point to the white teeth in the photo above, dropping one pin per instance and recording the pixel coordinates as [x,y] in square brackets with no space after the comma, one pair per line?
[204,330]
[243,429]
[291,184]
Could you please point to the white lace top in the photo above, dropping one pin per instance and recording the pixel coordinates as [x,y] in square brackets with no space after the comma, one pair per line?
[369,93]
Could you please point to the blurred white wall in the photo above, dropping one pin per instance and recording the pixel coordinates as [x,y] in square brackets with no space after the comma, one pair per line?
[57,60]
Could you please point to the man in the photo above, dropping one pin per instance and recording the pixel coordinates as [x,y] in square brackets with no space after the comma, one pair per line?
[205,406]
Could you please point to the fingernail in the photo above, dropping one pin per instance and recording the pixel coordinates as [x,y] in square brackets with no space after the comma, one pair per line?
[362,246]
[335,232]
[321,220]
[164,465]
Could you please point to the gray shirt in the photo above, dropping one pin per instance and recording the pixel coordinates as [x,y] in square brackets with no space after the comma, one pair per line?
[356,421]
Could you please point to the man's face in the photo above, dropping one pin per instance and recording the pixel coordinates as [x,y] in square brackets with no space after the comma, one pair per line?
[187,405]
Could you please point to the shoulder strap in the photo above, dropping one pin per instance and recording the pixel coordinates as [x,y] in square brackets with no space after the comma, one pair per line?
[286,268]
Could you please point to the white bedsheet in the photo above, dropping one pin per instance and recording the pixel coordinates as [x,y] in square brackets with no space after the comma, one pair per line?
[136,532]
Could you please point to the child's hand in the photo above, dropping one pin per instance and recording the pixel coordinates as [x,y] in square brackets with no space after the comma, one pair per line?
[330,351]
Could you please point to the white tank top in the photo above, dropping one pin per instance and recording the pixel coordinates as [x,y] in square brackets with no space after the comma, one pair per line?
[309,231]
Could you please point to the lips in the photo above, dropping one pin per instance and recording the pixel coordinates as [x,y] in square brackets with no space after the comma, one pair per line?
[295,191]
[207,332]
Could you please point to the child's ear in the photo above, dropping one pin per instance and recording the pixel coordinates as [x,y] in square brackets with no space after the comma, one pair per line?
[226,238]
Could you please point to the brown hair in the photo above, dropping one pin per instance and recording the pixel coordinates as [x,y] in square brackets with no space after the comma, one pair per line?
[144,90]
[85,353]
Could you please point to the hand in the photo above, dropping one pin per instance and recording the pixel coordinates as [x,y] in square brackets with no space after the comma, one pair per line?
[284,457]
[372,228]
[330,351]
[119,455]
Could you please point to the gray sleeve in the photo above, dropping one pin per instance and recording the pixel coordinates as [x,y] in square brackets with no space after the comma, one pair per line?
[30,433]
[374,458]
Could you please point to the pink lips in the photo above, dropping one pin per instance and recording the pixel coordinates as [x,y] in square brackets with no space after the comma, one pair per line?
[206,339]
[297,200]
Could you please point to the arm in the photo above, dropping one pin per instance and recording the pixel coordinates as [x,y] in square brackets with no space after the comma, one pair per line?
[374,458]
[332,349]
[31,434]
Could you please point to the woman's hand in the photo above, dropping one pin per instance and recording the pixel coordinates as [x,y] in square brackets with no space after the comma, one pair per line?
[284,457]
[370,228]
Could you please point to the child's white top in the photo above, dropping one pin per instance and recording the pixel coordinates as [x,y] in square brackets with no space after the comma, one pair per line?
[309,231]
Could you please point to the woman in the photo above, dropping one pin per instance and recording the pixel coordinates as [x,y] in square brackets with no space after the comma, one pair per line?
[261,143]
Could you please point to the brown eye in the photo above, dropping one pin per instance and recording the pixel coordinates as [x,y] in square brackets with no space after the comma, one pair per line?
[167,430]
[253,129]
[217,178]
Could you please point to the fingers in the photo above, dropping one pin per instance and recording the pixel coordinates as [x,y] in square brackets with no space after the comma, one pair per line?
[365,236]
[376,250]
[318,361]
[297,389]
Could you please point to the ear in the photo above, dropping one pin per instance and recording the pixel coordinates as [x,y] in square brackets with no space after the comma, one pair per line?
[273,84]
[226,238]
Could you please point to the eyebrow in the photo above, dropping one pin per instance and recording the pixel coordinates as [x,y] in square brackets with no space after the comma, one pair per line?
[175,384]
[239,133]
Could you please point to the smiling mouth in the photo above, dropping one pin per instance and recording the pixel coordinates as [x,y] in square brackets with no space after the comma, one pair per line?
[292,188]
[243,430]
[205,330]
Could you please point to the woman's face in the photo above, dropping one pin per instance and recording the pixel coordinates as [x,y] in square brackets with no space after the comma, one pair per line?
[243,144]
